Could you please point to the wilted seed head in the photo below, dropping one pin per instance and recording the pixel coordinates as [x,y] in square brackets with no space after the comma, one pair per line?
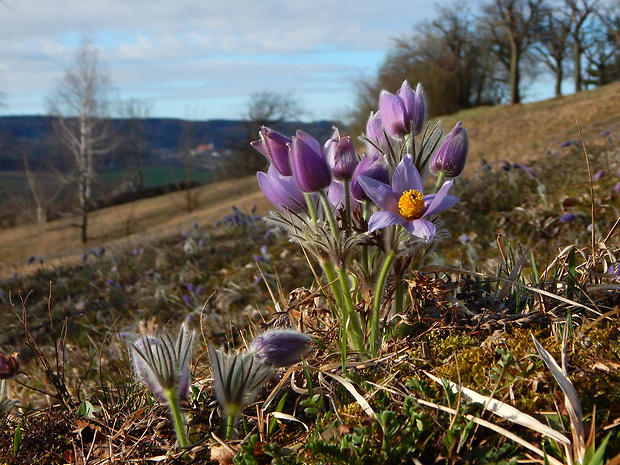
[9,366]
[163,363]
[282,347]
[236,379]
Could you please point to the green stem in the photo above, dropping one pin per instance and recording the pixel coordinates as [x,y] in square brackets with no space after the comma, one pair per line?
[177,417]
[311,207]
[440,179]
[230,425]
[347,202]
[376,307]
[329,214]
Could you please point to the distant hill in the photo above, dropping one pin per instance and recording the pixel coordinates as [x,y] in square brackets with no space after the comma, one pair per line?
[162,135]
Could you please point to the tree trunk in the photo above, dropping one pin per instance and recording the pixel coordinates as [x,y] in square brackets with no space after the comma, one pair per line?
[515,57]
[83,207]
[559,74]
[577,60]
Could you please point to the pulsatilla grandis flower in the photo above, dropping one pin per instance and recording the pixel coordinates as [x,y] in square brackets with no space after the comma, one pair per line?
[282,347]
[371,166]
[308,162]
[162,363]
[341,156]
[404,112]
[237,379]
[281,190]
[404,202]
[274,146]
[452,153]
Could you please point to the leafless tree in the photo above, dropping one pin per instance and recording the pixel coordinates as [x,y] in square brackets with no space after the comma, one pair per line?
[552,47]
[134,113]
[80,106]
[514,26]
[579,12]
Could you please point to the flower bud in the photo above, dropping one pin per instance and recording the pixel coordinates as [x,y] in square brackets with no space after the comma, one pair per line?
[282,191]
[418,112]
[372,166]
[274,146]
[452,154]
[393,114]
[341,156]
[310,169]
[282,347]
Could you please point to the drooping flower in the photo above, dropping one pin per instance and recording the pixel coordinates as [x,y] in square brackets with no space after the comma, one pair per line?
[404,202]
[281,190]
[310,169]
[341,156]
[371,166]
[282,347]
[452,153]
[237,379]
[9,366]
[163,363]
[274,146]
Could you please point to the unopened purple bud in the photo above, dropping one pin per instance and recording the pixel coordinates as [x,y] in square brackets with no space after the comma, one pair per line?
[418,112]
[373,166]
[31,259]
[617,188]
[200,290]
[191,288]
[281,190]
[341,156]
[274,146]
[282,347]
[375,132]
[567,217]
[598,175]
[310,169]
[393,114]
[452,154]
[187,299]
[567,143]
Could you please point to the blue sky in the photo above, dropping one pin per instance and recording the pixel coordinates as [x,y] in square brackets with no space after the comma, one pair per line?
[201,59]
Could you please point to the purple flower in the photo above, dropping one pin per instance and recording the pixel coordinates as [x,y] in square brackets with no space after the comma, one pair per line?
[464,239]
[614,271]
[404,202]
[335,194]
[282,347]
[375,132]
[191,288]
[452,153]
[617,188]
[566,144]
[394,112]
[341,155]
[371,166]
[310,169]
[418,112]
[281,190]
[598,175]
[187,299]
[31,259]
[567,217]
[274,146]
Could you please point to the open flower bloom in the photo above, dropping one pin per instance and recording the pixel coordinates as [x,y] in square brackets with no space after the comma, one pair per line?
[404,202]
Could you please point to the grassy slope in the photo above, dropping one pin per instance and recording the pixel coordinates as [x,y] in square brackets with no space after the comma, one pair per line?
[517,133]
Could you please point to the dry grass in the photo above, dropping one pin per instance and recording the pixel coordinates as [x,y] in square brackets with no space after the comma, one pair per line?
[517,133]
[148,218]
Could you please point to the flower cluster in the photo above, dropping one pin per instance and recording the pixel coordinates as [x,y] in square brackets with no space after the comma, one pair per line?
[358,212]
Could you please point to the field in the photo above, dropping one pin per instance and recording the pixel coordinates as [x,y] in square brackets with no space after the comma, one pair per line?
[532,251]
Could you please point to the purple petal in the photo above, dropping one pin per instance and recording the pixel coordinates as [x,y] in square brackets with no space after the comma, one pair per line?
[406,176]
[423,229]
[393,113]
[280,190]
[383,219]
[441,200]
[379,193]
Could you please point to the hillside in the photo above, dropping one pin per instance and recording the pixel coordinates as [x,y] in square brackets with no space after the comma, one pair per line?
[517,133]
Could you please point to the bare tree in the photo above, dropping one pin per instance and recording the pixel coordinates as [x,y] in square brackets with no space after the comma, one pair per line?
[579,12]
[80,106]
[552,47]
[134,113]
[514,27]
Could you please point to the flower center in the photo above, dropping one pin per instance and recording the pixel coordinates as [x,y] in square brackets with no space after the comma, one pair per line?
[411,204]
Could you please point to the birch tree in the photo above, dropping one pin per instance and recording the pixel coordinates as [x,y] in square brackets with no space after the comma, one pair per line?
[80,106]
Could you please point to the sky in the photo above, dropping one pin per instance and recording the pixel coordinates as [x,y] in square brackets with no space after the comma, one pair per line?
[202,59]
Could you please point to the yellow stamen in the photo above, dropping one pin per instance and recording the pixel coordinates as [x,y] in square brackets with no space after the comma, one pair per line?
[411,204]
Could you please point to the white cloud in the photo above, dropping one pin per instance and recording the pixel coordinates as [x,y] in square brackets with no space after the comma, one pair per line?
[178,48]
